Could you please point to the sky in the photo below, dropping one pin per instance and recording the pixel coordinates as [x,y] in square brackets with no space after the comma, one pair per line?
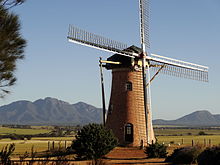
[53,67]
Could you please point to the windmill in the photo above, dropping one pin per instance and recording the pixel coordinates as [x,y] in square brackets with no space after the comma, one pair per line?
[129,113]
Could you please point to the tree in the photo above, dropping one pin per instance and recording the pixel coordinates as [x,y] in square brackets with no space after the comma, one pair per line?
[11,45]
[11,3]
[93,141]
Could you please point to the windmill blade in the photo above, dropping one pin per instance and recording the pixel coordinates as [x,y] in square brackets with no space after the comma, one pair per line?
[144,23]
[180,68]
[85,38]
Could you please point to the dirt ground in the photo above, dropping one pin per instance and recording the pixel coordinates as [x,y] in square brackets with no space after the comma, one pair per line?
[122,155]
[131,156]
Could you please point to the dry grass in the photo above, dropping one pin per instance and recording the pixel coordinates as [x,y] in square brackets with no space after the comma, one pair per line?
[39,144]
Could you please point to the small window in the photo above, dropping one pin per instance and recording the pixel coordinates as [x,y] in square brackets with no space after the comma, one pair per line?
[128,131]
[128,86]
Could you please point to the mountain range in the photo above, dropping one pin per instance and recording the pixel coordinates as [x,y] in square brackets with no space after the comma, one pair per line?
[197,118]
[51,111]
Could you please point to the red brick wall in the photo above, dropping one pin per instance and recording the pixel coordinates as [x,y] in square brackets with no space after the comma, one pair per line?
[127,106]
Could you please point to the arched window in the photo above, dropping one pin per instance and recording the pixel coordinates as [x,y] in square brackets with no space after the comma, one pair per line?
[129,133]
[128,86]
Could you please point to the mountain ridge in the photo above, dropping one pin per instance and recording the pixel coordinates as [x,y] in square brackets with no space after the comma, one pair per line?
[49,111]
[197,118]
[52,111]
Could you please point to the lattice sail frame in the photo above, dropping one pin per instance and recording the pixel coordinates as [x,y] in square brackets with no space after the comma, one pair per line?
[179,68]
[172,67]
[144,23]
[85,38]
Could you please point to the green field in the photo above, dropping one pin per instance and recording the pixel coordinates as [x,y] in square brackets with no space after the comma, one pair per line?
[33,131]
[187,140]
[179,131]
[186,136]
[168,136]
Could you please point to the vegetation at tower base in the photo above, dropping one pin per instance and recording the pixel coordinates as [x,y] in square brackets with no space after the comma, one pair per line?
[156,150]
[210,156]
[185,155]
[11,45]
[93,141]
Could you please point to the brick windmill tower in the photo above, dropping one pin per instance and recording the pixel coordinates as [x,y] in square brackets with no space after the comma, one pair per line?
[129,114]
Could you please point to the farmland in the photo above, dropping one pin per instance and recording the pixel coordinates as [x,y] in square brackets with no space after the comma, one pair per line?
[187,136]
[169,136]
[22,131]
[37,142]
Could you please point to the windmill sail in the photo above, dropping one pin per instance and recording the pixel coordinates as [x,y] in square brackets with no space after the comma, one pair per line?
[180,68]
[83,37]
[144,23]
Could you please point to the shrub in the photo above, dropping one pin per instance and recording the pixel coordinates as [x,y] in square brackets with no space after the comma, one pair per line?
[156,150]
[5,154]
[93,141]
[184,155]
[202,133]
[210,156]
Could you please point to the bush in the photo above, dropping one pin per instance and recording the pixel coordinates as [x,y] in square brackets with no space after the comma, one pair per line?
[184,155]
[210,156]
[93,141]
[5,154]
[156,150]
[18,137]
[202,133]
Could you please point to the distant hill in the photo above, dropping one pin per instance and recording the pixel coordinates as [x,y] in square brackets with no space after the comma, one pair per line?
[198,118]
[49,111]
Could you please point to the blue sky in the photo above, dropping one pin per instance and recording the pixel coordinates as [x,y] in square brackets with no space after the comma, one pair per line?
[183,29]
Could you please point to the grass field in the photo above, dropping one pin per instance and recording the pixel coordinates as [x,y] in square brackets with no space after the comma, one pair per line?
[185,136]
[34,131]
[165,136]
[179,131]
[38,144]
[187,140]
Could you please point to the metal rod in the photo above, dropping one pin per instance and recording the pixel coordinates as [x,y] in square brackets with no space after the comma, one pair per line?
[146,110]
[155,74]
[103,90]
[110,62]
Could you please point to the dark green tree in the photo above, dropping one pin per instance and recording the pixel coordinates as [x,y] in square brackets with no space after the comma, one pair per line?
[93,141]
[11,45]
